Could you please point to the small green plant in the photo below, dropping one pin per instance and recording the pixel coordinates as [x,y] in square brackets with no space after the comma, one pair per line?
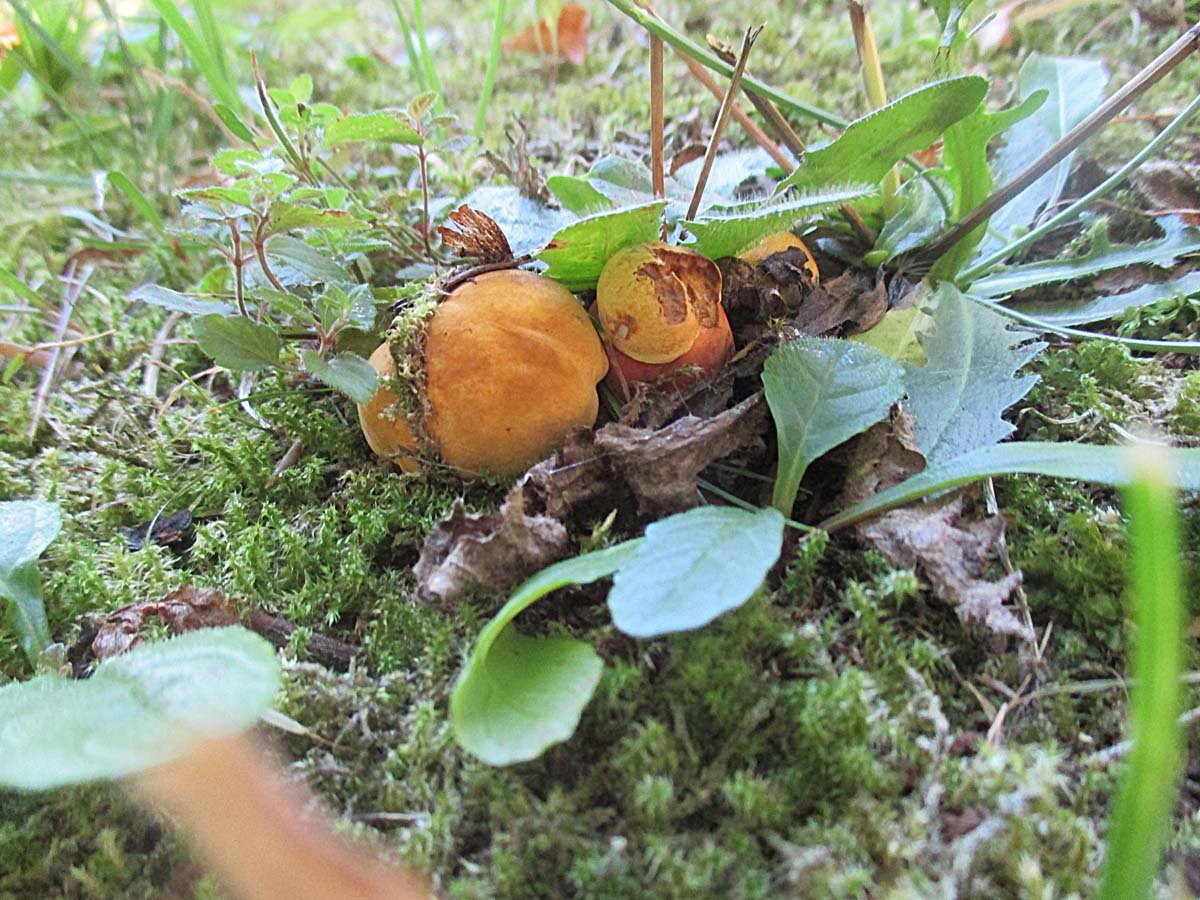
[27,527]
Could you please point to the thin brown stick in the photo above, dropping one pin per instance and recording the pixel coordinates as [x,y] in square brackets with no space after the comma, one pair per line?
[751,128]
[657,124]
[723,117]
[783,130]
[1187,44]
[73,284]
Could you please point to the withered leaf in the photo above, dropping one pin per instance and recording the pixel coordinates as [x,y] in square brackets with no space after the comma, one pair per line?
[171,529]
[660,466]
[569,38]
[951,551]
[475,235]
[1173,187]
[469,553]
[184,609]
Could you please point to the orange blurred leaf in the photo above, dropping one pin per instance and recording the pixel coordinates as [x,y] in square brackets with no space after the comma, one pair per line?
[569,39]
[8,37]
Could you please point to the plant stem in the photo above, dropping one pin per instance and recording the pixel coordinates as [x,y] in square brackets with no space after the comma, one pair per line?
[722,117]
[872,68]
[1187,44]
[489,75]
[1103,189]
[239,285]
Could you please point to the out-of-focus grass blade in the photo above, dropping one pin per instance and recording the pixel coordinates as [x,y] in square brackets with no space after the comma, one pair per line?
[201,54]
[139,200]
[1145,799]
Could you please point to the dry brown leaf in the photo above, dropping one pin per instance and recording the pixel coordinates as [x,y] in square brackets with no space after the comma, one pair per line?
[1173,187]
[951,551]
[569,39]
[594,473]
[184,609]
[661,466]
[475,235]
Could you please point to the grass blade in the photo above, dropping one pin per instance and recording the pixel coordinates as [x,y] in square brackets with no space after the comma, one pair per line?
[1141,815]
[489,75]
[200,54]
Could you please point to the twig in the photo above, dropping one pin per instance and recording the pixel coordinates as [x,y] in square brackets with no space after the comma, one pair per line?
[239,284]
[1187,44]
[294,453]
[329,652]
[779,124]
[723,117]
[154,357]
[756,134]
[657,165]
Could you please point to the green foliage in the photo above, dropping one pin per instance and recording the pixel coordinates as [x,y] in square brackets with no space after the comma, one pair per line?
[27,527]
[517,695]
[730,233]
[577,253]
[137,710]
[968,379]
[238,343]
[1076,311]
[1178,239]
[871,145]
[1103,465]
[692,567]
[205,48]
[1141,817]
[969,174]
[823,392]
[1072,87]
[350,374]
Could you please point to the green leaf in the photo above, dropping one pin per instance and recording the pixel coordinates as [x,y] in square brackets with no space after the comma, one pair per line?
[156,295]
[18,287]
[918,221]
[138,710]
[304,263]
[969,379]
[375,126]
[823,392]
[871,145]
[285,216]
[1073,311]
[692,567]
[238,343]
[234,122]
[143,206]
[731,233]
[578,195]
[516,695]
[966,169]
[949,13]
[1074,87]
[1179,239]
[898,335]
[1082,462]
[346,372]
[26,529]
[577,253]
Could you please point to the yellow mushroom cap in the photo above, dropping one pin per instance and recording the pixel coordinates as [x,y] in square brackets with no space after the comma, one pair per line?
[777,243]
[653,298]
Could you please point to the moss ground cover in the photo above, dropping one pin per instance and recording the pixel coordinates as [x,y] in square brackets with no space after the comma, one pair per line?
[841,736]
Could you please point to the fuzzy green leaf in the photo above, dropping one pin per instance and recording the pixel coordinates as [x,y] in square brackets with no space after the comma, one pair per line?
[156,295]
[898,335]
[285,216]
[729,234]
[1178,239]
[517,695]
[969,377]
[692,567]
[302,263]
[822,392]
[138,710]
[871,145]
[26,529]
[576,254]
[966,169]
[238,343]
[1082,462]
[578,195]
[1073,311]
[1074,87]
[918,220]
[376,126]
[346,372]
